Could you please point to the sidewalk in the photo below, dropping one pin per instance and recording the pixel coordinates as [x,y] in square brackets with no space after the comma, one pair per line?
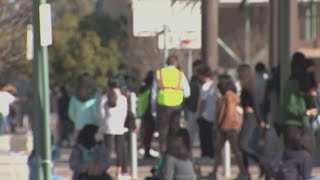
[13,165]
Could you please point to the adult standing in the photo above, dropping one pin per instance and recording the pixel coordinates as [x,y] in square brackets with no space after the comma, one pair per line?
[260,86]
[83,105]
[191,103]
[261,80]
[112,114]
[251,120]
[64,121]
[168,90]
[206,114]
[144,111]
[228,125]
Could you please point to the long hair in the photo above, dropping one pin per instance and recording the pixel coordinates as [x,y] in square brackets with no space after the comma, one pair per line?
[86,87]
[147,81]
[112,96]
[225,83]
[179,145]
[86,136]
[298,65]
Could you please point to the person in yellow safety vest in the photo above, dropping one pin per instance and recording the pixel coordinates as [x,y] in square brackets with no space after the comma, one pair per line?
[169,88]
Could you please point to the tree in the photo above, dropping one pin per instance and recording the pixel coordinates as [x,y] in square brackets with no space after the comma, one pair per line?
[88,44]
[14,17]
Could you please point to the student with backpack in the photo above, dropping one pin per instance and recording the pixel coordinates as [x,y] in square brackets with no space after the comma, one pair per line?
[229,122]
[88,159]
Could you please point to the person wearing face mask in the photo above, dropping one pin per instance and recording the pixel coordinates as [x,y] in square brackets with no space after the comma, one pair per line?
[88,159]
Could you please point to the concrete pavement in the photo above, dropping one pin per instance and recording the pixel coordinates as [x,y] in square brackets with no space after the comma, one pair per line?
[13,163]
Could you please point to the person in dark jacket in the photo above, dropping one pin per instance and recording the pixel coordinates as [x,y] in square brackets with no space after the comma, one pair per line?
[65,124]
[191,103]
[177,162]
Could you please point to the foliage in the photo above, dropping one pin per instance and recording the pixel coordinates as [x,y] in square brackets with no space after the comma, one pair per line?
[14,17]
[87,44]
[77,8]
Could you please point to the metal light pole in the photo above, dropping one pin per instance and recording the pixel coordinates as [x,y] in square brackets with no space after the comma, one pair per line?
[36,99]
[42,37]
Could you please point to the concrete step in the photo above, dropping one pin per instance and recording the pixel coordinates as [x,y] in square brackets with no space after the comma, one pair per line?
[16,143]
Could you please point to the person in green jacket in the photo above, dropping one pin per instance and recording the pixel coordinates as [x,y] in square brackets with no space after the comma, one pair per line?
[299,106]
[144,112]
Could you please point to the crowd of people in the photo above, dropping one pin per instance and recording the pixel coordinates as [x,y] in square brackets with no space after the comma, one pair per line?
[245,110]
[276,132]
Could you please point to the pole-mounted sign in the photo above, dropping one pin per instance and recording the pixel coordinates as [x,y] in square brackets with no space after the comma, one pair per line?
[45,25]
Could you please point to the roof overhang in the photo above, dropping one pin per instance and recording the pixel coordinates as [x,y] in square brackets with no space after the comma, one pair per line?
[313,53]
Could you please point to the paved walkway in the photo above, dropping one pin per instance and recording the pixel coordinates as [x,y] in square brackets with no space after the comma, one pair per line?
[13,165]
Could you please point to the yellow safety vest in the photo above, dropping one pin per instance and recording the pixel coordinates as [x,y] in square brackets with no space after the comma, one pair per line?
[170,89]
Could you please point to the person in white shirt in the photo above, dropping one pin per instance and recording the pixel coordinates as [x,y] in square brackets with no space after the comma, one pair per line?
[112,115]
[6,99]
[207,111]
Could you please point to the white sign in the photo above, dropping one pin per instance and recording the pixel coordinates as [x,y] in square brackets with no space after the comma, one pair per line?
[45,25]
[29,50]
[149,16]
[182,40]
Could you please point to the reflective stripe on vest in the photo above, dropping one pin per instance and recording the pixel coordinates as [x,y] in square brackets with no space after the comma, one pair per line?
[170,90]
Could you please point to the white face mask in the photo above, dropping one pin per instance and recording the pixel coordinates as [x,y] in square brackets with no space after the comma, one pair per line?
[265,76]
